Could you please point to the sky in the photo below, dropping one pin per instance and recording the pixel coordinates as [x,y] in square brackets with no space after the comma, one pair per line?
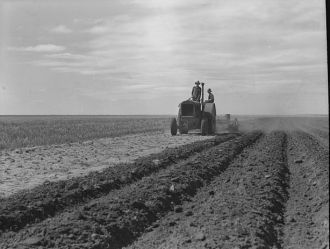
[143,56]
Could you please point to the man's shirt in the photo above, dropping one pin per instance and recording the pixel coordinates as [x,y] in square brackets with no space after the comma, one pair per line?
[211,98]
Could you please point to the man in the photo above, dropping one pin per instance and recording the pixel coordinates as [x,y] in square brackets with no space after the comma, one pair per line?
[196,92]
[211,96]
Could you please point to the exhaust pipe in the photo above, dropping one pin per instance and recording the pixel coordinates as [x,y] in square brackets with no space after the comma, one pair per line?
[202,103]
[202,93]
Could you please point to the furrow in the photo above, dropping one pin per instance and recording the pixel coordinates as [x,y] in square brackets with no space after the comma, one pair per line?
[116,219]
[50,198]
[242,208]
[307,210]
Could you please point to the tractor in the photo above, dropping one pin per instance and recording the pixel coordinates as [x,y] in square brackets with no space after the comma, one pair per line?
[195,115]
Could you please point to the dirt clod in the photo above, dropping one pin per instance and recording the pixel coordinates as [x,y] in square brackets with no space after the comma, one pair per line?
[178,209]
[33,241]
[172,223]
[200,236]
[189,213]
[292,219]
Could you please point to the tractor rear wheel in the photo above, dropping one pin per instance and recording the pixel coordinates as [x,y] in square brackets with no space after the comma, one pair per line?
[174,127]
[204,126]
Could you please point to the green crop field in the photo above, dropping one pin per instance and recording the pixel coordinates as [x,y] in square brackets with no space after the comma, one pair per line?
[21,131]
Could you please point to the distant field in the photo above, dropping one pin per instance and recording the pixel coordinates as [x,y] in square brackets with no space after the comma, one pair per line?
[21,131]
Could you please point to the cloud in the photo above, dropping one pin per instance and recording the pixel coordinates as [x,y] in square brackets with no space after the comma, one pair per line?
[99,25]
[88,21]
[40,48]
[98,29]
[45,48]
[236,47]
[67,56]
[61,29]
[169,4]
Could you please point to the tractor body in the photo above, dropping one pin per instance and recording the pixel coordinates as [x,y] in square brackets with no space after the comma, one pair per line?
[193,115]
[202,115]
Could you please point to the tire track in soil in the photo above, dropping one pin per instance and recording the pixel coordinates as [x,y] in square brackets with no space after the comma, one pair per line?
[115,220]
[241,208]
[307,210]
[45,201]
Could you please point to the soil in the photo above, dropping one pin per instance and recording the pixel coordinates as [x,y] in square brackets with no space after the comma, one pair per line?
[46,200]
[29,167]
[307,216]
[267,187]
[241,208]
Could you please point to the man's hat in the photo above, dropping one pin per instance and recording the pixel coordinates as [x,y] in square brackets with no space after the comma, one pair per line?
[209,90]
[197,82]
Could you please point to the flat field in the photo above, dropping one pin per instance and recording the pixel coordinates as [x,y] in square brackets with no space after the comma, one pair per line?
[267,187]
[36,149]
[22,131]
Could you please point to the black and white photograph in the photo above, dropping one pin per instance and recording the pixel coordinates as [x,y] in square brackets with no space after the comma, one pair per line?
[164,124]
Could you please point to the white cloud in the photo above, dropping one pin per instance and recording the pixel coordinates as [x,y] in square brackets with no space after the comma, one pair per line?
[67,56]
[98,29]
[40,48]
[168,4]
[61,29]
[88,21]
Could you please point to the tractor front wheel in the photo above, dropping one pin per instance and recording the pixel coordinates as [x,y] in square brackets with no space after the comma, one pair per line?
[204,126]
[174,127]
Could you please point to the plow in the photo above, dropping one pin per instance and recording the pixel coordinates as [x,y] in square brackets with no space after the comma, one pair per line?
[227,125]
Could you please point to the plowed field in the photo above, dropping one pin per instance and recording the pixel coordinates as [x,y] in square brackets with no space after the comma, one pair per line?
[267,187]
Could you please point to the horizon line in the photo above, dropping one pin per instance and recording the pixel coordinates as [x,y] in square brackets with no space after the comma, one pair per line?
[238,114]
